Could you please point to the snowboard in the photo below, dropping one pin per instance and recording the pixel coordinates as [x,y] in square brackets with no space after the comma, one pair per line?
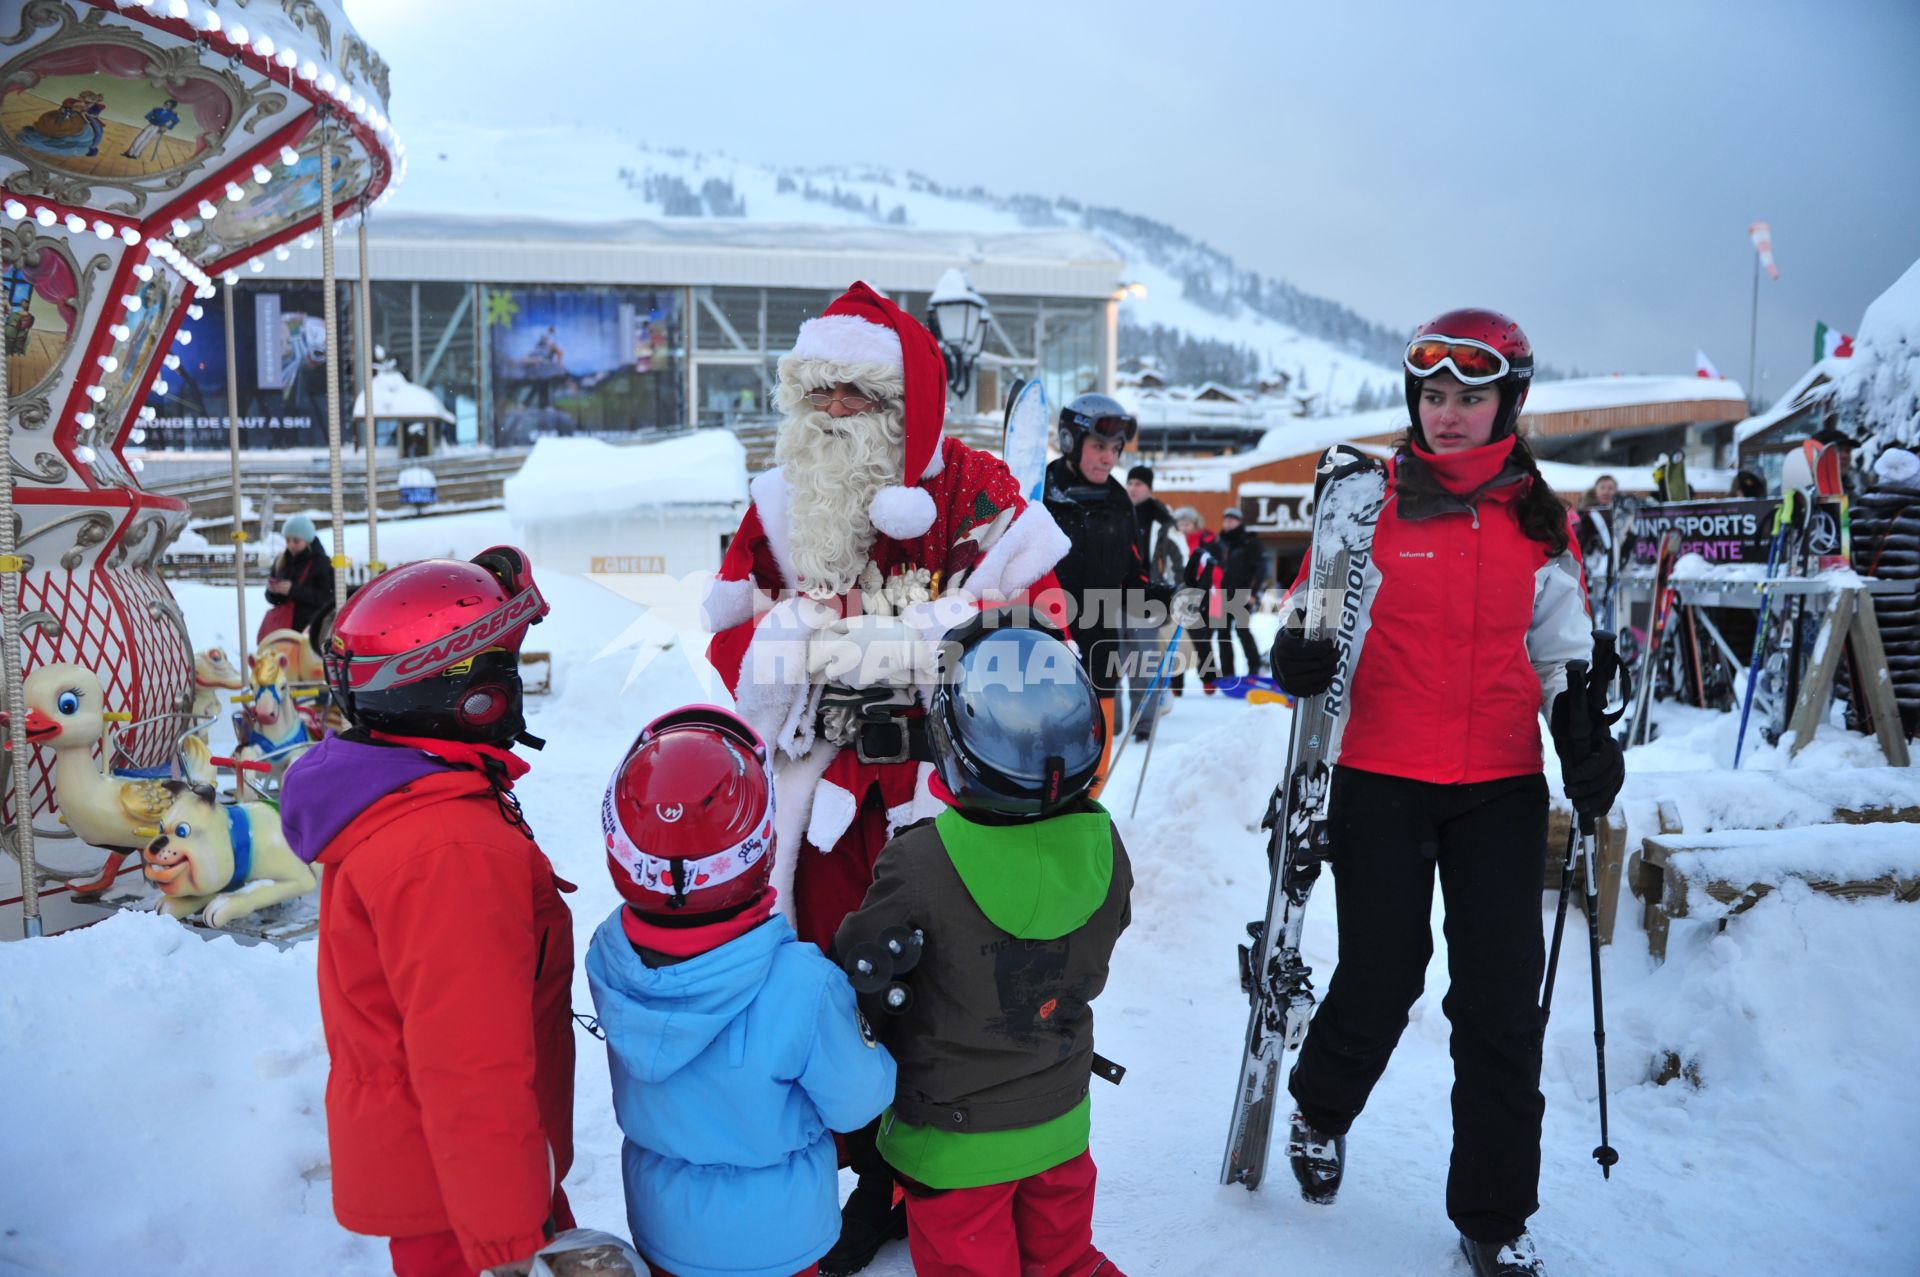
[1350,488]
[1023,445]
[1255,689]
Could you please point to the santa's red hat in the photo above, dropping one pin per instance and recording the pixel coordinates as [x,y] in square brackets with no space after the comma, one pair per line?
[865,339]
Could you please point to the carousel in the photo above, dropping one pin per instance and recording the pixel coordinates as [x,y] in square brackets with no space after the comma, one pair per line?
[149,151]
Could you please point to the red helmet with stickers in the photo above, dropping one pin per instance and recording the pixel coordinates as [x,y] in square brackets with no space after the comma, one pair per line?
[433,648]
[688,816]
[1479,348]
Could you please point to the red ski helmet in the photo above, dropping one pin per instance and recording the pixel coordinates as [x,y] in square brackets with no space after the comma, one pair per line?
[433,648]
[1479,347]
[688,816]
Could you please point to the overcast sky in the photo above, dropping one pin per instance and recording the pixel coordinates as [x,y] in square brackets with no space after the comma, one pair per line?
[1589,168]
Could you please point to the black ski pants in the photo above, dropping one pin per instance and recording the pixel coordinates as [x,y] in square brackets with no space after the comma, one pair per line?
[1489,842]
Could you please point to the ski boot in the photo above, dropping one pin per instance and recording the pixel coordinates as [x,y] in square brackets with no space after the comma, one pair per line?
[869,1220]
[1317,1159]
[1515,1258]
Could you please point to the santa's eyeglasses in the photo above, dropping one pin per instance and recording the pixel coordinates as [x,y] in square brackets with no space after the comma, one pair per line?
[852,400]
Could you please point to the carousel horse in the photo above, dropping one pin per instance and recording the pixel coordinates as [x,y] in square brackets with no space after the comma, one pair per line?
[271,727]
[67,713]
[222,862]
[305,671]
[212,674]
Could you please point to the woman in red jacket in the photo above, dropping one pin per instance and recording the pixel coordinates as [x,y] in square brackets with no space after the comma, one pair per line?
[446,952]
[1470,609]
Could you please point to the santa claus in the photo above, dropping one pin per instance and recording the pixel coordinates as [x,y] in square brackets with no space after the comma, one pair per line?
[869,539]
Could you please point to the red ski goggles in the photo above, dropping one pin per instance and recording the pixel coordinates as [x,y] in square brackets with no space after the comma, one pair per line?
[1474,363]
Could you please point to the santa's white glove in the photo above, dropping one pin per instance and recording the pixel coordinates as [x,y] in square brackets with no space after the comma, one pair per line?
[870,651]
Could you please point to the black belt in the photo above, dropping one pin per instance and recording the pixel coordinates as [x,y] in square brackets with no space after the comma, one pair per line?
[894,739]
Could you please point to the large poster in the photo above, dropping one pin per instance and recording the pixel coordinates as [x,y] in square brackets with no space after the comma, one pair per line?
[280,351]
[583,361]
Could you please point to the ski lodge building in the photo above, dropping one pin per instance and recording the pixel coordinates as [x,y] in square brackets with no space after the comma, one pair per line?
[526,326]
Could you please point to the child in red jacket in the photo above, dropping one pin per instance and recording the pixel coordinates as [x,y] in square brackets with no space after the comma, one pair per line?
[446,952]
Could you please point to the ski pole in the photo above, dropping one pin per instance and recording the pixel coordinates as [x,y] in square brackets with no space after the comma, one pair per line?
[1153,732]
[1559,919]
[1133,720]
[1605,1153]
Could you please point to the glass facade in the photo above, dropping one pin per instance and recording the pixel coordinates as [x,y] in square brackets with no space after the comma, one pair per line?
[513,362]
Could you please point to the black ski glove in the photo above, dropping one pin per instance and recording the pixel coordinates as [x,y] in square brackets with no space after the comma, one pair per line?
[1591,769]
[1303,666]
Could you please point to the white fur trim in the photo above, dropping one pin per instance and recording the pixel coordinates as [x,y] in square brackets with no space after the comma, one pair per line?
[774,500]
[774,688]
[1021,555]
[902,513]
[793,785]
[937,462]
[833,811]
[848,339]
[728,603]
[921,806]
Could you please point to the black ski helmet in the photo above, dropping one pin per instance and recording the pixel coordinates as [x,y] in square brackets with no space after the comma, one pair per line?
[1093,414]
[1014,721]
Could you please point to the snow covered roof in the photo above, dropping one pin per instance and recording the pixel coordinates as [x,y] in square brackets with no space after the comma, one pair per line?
[394,397]
[682,251]
[1881,383]
[1584,394]
[567,478]
[1811,386]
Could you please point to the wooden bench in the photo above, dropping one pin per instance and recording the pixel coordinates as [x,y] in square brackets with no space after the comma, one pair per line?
[1610,857]
[1725,873]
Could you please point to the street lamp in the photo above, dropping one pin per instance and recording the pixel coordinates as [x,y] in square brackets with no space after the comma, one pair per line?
[958,317]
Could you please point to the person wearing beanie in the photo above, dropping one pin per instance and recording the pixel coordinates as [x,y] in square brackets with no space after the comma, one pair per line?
[300,586]
[735,1050]
[1163,550]
[1243,574]
[871,537]
[1472,609]
[1020,892]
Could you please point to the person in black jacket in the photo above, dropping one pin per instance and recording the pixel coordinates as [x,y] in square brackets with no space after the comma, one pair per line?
[1103,575]
[302,579]
[1243,572]
[1163,549]
[1886,544]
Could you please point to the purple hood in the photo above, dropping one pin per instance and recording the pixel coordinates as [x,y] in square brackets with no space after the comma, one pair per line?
[328,787]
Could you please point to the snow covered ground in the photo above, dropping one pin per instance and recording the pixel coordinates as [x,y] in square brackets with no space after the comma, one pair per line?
[161,1094]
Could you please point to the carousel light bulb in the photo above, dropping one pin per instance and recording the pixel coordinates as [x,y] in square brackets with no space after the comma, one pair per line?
[76,223]
[103,229]
[309,69]
[281,254]
[262,174]
[306,241]
[264,46]
[130,237]
[287,57]
[144,271]
[210,20]
[149,413]
[205,290]
[131,302]
[108,363]
[46,217]
[289,156]
[159,386]
[230,277]
[194,312]
[328,83]
[137,464]
[184,337]
[238,33]
[359,104]
[177,8]
[85,454]
[85,420]
[16,210]
[207,210]
[234,193]
[95,393]
[172,361]
[120,332]
[137,435]
[256,265]
[181,229]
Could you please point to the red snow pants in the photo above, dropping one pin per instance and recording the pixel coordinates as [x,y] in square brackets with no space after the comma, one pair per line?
[828,888]
[438,1254]
[1040,1226]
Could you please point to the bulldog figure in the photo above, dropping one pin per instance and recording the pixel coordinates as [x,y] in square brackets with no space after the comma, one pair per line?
[228,861]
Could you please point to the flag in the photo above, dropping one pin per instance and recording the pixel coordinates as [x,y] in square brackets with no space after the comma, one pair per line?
[1702,366]
[1762,236]
[1830,343]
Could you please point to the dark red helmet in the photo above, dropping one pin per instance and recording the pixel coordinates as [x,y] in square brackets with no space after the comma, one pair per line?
[433,648]
[1479,347]
[688,816]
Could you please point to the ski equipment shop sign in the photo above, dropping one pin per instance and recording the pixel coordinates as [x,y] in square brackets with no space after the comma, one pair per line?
[1728,531]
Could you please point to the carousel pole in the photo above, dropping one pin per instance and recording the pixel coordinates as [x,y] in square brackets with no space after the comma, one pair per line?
[240,643]
[330,312]
[366,395]
[12,570]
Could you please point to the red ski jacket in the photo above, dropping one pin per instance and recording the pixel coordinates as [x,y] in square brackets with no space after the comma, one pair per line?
[1460,627]
[446,963]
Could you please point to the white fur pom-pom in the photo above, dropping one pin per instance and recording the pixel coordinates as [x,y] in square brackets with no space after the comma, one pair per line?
[902,513]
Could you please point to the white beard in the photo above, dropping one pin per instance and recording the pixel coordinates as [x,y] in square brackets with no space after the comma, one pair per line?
[833,467]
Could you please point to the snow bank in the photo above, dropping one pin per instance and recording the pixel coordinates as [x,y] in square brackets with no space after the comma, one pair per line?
[566,478]
[1879,388]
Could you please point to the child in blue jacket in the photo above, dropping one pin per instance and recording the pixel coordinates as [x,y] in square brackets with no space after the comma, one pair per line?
[735,1049]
